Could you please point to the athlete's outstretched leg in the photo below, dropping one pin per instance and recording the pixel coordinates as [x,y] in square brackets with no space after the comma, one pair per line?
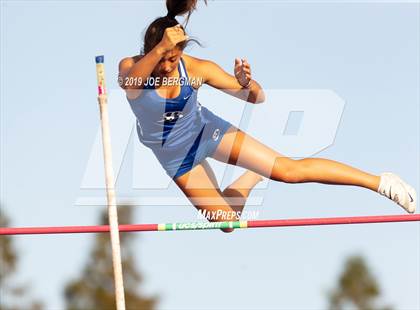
[239,148]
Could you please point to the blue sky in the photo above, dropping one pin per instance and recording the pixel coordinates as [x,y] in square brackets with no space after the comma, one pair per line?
[365,52]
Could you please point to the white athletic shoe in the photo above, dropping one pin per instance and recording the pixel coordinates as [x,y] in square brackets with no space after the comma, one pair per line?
[392,187]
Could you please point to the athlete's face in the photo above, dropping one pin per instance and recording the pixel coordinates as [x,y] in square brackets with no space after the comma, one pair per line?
[168,63]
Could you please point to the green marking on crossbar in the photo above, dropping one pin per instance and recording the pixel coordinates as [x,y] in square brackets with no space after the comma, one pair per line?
[202,225]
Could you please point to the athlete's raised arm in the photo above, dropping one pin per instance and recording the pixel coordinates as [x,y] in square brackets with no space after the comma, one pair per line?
[239,85]
[133,71]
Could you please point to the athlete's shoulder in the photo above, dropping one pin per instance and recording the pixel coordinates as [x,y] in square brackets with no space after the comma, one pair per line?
[196,65]
[124,68]
[128,62]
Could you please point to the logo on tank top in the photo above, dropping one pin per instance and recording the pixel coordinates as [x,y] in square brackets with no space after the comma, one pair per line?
[172,116]
[216,134]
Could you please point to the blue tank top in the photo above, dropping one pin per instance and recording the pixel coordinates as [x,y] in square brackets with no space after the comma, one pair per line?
[168,122]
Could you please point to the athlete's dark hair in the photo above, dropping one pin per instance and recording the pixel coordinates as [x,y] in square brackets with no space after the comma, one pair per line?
[156,29]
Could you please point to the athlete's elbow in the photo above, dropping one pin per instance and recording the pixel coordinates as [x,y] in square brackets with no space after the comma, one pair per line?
[260,99]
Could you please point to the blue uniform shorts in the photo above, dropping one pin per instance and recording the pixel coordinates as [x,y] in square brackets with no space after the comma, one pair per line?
[179,161]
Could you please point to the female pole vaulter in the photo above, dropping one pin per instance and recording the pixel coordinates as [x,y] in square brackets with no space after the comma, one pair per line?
[161,86]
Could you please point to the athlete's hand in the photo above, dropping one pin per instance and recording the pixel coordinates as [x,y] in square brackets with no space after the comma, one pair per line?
[171,37]
[242,72]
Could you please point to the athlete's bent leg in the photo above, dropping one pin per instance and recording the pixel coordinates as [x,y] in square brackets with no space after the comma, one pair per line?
[201,188]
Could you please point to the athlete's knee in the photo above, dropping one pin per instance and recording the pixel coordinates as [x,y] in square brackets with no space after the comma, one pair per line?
[287,170]
[227,230]
[224,215]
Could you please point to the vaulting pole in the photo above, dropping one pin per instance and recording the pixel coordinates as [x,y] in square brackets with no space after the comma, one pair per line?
[110,181]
